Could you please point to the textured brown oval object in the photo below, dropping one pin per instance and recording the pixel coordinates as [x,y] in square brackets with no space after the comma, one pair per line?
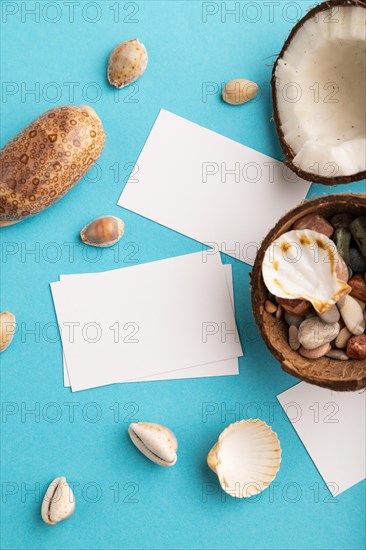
[323,371]
[104,231]
[46,159]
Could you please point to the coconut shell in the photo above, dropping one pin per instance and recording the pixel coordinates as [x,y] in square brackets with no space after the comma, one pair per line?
[287,150]
[326,372]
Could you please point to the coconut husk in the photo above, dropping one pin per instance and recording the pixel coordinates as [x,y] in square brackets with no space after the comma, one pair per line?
[329,373]
[287,150]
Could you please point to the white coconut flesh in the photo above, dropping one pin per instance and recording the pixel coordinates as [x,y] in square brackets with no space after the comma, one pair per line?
[320,91]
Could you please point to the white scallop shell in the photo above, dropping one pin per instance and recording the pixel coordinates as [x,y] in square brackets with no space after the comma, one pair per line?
[155,441]
[58,502]
[303,264]
[246,458]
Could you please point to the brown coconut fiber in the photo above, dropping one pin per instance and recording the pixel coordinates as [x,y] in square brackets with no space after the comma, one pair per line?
[326,372]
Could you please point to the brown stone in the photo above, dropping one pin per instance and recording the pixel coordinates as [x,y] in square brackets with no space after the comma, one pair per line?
[358,284]
[356,347]
[296,307]
[315,353]
[342,220]
[315,222]
[342,269]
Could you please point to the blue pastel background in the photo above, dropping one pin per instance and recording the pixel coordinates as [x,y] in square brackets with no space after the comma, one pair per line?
[123,500]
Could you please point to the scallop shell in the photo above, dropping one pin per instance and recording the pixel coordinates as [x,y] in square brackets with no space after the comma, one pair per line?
[155,441]
[246,458]
[303,264]
[58,502]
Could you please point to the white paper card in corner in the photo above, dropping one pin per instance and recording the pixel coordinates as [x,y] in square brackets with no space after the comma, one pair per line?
[226,367]
[209,187]
[331,425]
[145,317]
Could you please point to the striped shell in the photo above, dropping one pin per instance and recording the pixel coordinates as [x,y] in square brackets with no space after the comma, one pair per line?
[246,458]
[303,264]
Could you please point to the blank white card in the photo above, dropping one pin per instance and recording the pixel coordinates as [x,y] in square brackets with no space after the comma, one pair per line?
[331,426]
[209,187]
[226,367]
[146,319]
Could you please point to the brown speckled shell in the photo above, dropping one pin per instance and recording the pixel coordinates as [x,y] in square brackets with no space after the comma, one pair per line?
[329,373]
[46,159]
[287,150]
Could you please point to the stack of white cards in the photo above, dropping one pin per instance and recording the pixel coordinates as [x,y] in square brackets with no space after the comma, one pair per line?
[168,319]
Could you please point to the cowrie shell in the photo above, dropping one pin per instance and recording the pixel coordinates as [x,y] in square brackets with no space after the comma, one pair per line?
[58,502]
[155,441]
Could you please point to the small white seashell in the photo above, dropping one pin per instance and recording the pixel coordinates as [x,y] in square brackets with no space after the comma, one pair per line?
[352,315]
[7,329]
[127,62]
[155,441]
[302,264]
[58,503]
[246,458]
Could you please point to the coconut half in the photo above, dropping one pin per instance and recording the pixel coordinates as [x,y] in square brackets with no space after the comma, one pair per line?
[318,90]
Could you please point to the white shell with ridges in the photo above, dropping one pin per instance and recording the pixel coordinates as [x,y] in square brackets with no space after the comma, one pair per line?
[246,458]
[155,441]
[303,264]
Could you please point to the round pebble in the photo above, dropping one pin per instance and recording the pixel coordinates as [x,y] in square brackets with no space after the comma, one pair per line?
[270,307]
[330,316]
[293,320]
[343,219]
[342,338]
[358,285]
[314,333]
[279,312]
[342,271]
[356,347]
[342,238]
[356,261]
[316,223]
[337,354]
[315,353]
[293,338]
[352,314]
[296,307]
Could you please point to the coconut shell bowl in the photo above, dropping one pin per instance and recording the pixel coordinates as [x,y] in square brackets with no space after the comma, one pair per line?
[348,375]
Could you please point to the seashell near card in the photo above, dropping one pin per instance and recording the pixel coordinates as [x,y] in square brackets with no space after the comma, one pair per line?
[58,503]
[103,231]
[246,458]
[155,441]
[302,264]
